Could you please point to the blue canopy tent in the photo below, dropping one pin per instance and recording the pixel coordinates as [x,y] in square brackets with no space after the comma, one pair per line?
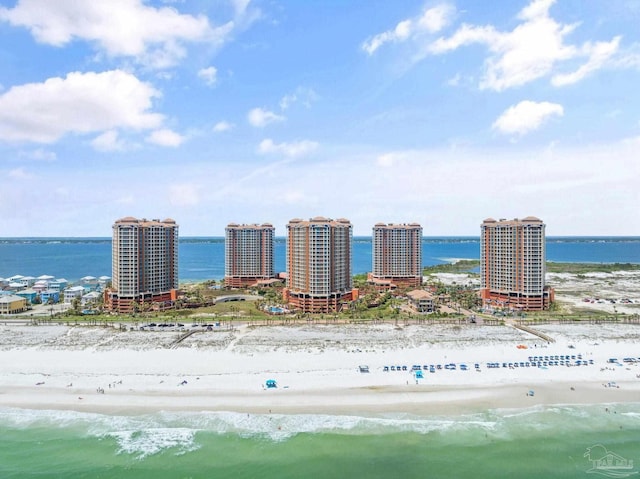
[418,374]
[271,383]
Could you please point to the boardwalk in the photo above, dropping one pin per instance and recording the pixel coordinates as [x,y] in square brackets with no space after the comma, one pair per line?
[529,330]
[174,344]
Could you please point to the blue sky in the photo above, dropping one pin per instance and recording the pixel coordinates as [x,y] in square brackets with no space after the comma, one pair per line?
[444,113]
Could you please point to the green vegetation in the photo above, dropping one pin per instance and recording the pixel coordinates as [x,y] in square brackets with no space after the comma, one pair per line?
[462,266]
[372,306]
[466,265]
[581,268]
[360,280]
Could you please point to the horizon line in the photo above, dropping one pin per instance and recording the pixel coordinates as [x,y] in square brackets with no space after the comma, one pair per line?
[284,237]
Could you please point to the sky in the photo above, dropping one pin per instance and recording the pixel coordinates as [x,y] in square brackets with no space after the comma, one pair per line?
[210,112]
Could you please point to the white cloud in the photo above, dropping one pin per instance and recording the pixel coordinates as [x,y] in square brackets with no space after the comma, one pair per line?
[526,116]
[305,96]
[166,137]
[108,141]
[432,20]
[240,6]
[387,160]
[435,19]
[19,174]
[223,126]
[261,118]
[208,75]
[38,154]
[291,150]
[536,9]
[79,103]
[121,28]
[465,35]
[454,80]
[530,51]
[627,58]
[566,176]
[185,194]
[599,53]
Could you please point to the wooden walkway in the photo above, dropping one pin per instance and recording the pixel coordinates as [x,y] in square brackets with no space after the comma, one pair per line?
[529,330]
[174,344]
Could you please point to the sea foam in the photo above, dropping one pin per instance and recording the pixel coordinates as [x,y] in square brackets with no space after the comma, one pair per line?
[149,434]
[147,442]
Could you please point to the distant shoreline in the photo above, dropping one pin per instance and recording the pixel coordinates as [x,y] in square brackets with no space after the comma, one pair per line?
[202,258]
[476,238]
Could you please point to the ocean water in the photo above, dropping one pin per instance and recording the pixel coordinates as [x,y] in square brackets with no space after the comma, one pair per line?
[203,258]
[549,442]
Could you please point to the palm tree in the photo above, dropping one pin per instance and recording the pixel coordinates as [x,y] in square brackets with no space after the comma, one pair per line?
[75,305]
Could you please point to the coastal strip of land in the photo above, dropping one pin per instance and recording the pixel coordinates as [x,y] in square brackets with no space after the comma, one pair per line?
[324,369]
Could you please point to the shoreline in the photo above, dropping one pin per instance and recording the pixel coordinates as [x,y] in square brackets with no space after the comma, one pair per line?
[449,401]
[316,369]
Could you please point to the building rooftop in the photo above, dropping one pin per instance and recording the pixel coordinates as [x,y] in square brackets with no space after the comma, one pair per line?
[418,294]
[10,298]
[250,226]
[397,225]
[321,220]
[145,222]
[515,221]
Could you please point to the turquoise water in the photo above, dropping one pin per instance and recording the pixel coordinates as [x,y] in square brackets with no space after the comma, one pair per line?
[203,258]
[545,442]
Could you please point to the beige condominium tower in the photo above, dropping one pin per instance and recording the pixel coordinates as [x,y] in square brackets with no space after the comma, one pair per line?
[248,254]
[512,264]
[397,255]
[144,265]
[319,265]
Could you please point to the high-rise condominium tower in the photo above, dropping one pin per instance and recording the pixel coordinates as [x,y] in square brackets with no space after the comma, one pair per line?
[512,264]
[144,263]
[319,264]
[397,254]
[248,254]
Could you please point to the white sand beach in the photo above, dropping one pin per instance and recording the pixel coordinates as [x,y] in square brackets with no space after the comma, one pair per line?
[316,368]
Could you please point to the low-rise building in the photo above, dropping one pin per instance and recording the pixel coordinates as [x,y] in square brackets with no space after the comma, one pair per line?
[28,294]
[58,284]
[40,286]
[50,296]
[14,286]
[421,301]
[12,304]
[90,298]
[91,283]
[73,292]
[27,281]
